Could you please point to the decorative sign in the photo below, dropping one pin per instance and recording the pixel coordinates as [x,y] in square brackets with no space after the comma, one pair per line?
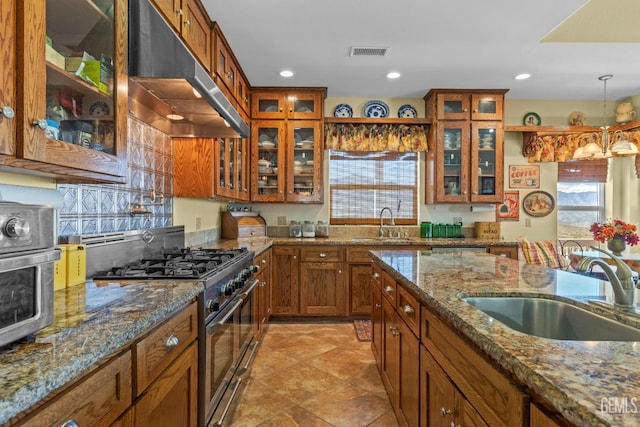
[538,203]
[509,210]
[527,176]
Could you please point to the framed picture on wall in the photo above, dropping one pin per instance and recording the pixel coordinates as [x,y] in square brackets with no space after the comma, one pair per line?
[524,176]
[509,210]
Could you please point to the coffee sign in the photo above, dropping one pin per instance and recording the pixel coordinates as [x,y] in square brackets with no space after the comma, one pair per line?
[526,176]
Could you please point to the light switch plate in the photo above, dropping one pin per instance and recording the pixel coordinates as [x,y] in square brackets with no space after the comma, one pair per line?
[282,220]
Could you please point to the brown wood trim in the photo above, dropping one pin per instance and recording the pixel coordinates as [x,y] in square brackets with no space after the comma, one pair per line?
[387,120]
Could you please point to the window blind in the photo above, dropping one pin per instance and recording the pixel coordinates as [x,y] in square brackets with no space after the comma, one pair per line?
[583,170]
[362,183]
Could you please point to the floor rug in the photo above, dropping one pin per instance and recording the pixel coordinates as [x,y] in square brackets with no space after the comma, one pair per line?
[363,330]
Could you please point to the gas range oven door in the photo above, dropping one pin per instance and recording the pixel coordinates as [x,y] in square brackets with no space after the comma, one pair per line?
[229,351]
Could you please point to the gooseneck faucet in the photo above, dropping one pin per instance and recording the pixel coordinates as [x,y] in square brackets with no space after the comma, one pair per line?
[621,280]
[392,222]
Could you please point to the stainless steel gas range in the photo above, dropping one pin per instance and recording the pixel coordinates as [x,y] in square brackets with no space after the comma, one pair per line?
[226,323]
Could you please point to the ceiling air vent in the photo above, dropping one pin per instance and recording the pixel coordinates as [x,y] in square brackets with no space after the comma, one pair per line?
[368,51]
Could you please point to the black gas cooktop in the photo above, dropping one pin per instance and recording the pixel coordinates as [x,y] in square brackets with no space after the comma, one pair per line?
[178,263]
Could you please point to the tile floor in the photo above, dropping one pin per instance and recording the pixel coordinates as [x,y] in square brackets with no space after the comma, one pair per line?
[313,374]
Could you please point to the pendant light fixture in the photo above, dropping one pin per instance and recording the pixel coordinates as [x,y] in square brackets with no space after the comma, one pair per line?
[593,150]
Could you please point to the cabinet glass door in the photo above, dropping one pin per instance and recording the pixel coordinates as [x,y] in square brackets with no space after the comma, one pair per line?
[241,171]
[486,169]
[268,157]
[486,107]
[304,182]
[453,106]
[224,182]
[304,106]
[454,161]
[267,105]
[80,91]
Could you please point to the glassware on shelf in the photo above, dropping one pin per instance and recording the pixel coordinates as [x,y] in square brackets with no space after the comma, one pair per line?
[322,229]
[308,229]
[295,229]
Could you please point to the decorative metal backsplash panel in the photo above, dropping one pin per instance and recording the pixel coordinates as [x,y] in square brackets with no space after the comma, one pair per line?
[105,208]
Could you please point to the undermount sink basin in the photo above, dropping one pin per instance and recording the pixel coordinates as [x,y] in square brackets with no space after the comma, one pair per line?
[552,319]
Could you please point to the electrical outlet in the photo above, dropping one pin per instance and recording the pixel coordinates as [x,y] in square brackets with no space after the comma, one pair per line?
[198,223]
[282,220]
[457,219]
[527,222]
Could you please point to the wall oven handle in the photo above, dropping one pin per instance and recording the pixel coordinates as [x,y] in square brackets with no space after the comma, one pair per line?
[212,328]
[228,405]
[252,285]
[242,369]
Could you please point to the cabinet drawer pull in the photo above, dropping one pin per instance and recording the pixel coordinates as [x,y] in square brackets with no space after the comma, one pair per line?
[339,271]
[69,423]
[388,289]
[187,22]
[445,412]
[295,257]
[378,305]
[41,123]
[322,255]
[7,112]
[264,261]
[172,341]
[408,309]
[376,275]
[179,12]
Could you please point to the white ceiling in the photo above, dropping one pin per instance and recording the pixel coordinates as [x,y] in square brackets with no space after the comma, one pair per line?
[438,44]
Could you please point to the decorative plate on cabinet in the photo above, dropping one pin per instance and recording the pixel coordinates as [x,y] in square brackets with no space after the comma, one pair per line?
[376,109]
[343,110]
[407,111]
[531,119]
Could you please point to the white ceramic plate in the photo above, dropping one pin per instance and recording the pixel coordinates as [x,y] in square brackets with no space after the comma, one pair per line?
[376,109]
[407,111]
[343,110]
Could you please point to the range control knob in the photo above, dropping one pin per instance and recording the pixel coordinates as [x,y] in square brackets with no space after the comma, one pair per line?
[16,227]
[254,268]
[212,305]
[229,288]
[238,283]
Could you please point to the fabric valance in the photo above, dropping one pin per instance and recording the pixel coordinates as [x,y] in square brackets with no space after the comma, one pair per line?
[560,147]
[375,137]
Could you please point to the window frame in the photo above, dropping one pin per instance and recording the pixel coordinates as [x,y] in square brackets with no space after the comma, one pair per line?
[413,220]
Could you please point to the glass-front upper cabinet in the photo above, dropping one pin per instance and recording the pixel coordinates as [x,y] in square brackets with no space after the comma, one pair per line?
[486,106]
[304,179]
[268,161]
[268,104]
[232,169]
[452,155]
[464,106]
[75,104]
[486,162]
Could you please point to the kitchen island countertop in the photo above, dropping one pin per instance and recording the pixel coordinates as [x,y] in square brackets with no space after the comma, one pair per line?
[589,383]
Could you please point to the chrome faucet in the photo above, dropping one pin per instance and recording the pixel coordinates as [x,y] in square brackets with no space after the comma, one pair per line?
[621,280]
[392,222]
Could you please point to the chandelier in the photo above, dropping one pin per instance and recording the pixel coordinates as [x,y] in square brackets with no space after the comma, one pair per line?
[603,149]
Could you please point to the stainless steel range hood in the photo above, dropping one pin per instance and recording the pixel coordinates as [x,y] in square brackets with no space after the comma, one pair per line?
[165,78]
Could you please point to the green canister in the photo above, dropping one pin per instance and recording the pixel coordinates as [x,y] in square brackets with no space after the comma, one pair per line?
[426,229]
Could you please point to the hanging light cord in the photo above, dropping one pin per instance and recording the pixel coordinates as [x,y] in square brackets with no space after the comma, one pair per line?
[605,132]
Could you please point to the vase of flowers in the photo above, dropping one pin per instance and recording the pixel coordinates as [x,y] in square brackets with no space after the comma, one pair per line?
[616,233]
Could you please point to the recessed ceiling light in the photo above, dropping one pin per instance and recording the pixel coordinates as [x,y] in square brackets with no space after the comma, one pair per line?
[286,73]
[522,76]
[175,117]
[393,75]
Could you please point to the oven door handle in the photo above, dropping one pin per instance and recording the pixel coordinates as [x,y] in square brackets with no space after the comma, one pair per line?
[213,328]
[29,259]
[252,285]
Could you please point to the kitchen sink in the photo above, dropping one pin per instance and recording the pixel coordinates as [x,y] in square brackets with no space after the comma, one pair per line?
[552,319]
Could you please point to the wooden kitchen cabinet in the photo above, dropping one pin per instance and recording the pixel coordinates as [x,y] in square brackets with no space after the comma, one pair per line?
[91,112]
[287,145]
[288,103]
[467,165]
[97,399]
[206,168]
[400,366]
[264,298]
[286,161]
[285,280]
[323,289]
[8,77]
[491,394]
[171,400]
[227,70]
[189,19]
[376,314]
[504,251]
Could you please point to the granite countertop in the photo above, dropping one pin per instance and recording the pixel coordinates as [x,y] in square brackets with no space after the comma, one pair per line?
[580,379]
[91,323]
[377,241]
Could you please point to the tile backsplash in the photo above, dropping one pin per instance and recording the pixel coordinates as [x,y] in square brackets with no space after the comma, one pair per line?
[104,208]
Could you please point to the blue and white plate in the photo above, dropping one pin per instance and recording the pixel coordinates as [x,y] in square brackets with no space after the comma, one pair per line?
[376,109]
[407,111]
[343,110]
